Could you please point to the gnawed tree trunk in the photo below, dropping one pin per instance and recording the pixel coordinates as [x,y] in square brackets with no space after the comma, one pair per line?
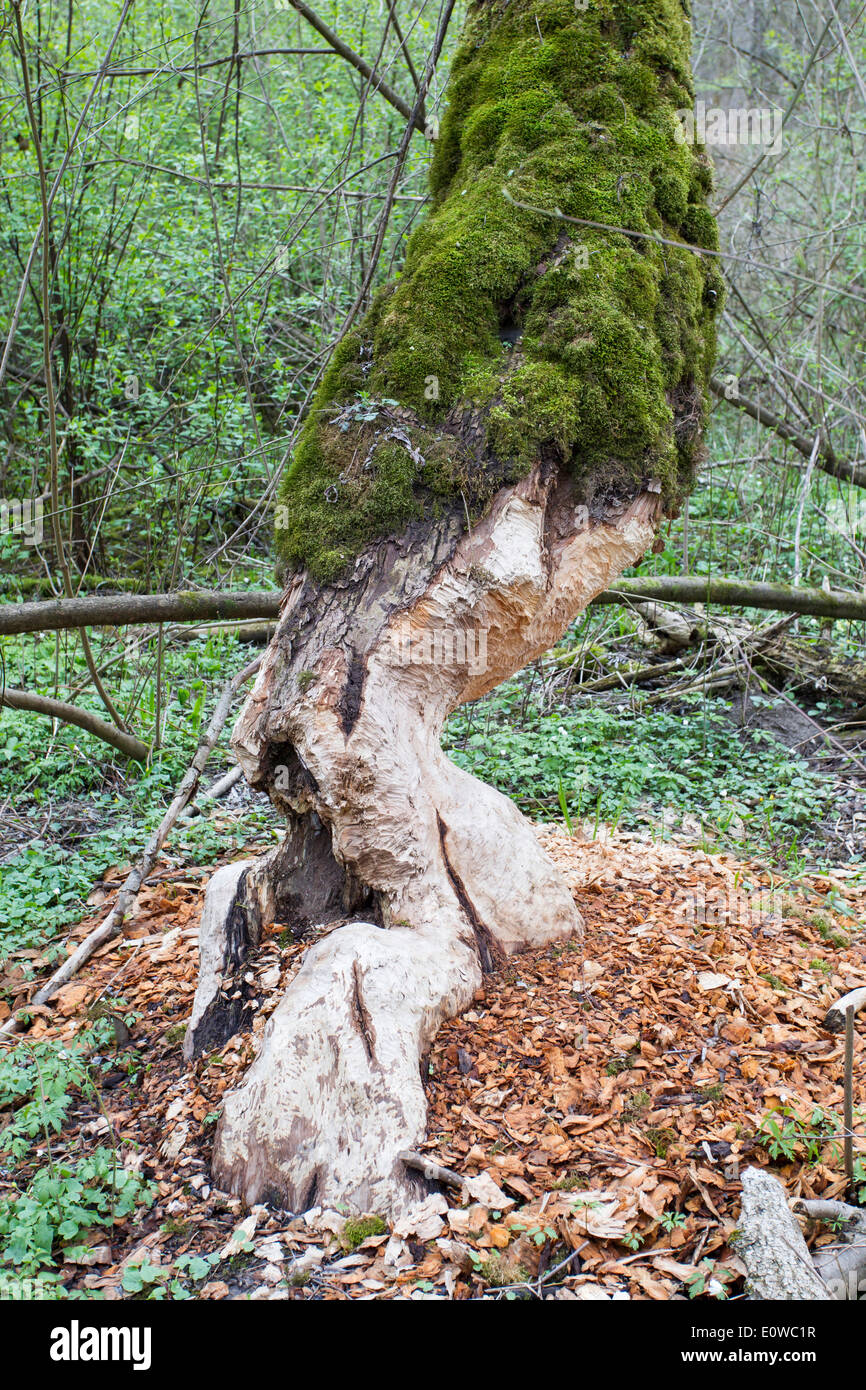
[529,413]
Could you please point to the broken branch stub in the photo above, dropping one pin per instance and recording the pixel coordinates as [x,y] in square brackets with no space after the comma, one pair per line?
[834,1021]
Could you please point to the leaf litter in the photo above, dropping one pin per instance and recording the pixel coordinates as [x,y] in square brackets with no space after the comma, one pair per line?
[598,1099]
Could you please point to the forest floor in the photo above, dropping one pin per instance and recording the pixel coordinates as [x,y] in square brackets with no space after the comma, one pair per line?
[600,1098]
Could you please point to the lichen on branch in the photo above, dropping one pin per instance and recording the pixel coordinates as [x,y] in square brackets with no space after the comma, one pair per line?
[511,336]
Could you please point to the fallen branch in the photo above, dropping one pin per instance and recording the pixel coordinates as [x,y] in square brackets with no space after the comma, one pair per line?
[81,718]
[706,679]
[771,1244]
[622,677]
[224,784]
[111,925]
[433,1172]
[738,593]
[822,1209]
[256,634]
[124,610]
[195,605]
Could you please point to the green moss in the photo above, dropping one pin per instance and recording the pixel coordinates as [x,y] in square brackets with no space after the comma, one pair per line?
[367,473]
[572,1182]
[356,1231]
[555,339]
[660,1140]
[500,1272]
[636,1104]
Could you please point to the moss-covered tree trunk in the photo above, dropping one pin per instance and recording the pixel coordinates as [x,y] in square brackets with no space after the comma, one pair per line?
[499,438]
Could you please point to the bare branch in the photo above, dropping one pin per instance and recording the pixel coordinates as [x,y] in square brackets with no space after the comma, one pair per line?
[788,110]
[826,460]
[131,609]
[81,718]
[360,65]
[112,924]
[192,606]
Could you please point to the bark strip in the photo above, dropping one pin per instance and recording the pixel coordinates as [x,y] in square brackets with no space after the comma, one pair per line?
[489,954]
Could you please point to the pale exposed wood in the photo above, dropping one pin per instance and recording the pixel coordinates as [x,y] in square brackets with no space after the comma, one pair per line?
[771,1244]
[223,941]
[456,874]
[335,1093]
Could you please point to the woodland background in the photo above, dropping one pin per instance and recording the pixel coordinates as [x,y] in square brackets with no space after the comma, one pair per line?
[212,230]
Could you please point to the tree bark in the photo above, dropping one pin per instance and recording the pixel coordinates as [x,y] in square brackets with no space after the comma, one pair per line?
[771,1244]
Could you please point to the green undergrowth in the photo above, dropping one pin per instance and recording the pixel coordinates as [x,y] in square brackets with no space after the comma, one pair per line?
[625,767]
[57,1201]
[558,341]
[792,1137]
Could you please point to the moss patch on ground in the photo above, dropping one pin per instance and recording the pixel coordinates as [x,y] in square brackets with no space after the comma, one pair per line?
[355,1232]
[556,340]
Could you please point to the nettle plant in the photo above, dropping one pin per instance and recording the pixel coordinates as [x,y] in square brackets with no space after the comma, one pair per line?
[56,1215]
[38,1082]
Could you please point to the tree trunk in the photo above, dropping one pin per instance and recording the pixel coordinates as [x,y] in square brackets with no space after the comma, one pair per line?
[489,450]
